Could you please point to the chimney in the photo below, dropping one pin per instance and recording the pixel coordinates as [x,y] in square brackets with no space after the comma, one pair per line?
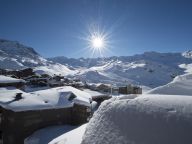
[18,96]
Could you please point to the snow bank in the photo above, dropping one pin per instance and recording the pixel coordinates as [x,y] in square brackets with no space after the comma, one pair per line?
[43,99]
[5,79]
[147,119]
[181,85]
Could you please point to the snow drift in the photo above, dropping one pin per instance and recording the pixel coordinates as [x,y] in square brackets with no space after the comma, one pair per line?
[147,119]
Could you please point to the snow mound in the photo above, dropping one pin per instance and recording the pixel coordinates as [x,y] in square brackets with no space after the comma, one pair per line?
[181,85]
[147,119]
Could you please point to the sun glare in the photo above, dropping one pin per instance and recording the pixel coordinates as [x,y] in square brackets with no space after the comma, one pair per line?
[97,43]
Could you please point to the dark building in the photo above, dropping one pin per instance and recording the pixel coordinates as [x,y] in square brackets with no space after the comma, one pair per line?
[19,117]
[18,73]
[16,126]
[130,90]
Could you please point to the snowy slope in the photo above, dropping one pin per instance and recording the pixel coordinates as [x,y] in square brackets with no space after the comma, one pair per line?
[54,69]
[181,85]
[151,69]
[147,119]
[14,55]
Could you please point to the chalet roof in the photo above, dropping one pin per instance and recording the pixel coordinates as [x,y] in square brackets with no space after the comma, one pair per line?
[6,79]
[44,99]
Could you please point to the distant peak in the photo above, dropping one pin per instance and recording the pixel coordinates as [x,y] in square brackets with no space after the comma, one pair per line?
[187,54]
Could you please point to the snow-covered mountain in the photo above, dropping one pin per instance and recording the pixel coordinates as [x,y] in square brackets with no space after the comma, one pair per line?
[150,69]
[14,55]
[187,54]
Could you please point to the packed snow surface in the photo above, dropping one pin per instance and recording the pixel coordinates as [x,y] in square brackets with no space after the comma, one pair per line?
[43,99]
[6,79]
[146,119]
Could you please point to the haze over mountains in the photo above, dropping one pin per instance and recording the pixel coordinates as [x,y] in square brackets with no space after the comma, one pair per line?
[150,69]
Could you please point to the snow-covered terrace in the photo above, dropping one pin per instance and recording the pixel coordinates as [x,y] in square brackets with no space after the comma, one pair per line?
[44,99]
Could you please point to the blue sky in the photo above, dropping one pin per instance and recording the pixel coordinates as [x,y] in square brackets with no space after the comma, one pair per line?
[56,27]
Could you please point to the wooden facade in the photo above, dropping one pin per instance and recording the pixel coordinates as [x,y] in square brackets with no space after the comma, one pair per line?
[18,73]
[130,90]
[100,98]
[16,126]
[18,85]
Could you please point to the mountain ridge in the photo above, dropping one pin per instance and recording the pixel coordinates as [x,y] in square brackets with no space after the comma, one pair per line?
[151,69]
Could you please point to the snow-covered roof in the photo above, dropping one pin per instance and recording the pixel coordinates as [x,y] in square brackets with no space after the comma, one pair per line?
[146,119]
[6,79]
[43,99]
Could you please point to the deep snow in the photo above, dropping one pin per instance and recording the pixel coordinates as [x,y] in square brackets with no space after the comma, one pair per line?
[146,119]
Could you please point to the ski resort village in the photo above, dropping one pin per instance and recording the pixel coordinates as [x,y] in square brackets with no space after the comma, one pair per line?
[140,99]
[95,72]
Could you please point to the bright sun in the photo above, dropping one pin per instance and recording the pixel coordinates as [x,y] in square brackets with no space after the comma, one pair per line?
[97,43]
